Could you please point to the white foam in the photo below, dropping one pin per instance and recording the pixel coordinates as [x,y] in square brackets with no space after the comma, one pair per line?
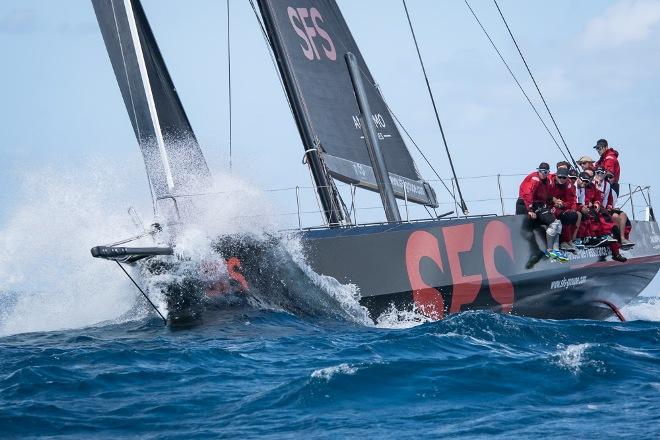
[348,295]
[401,319]
[44,246]
[329,372]
[48,279]
[643,309]
[571,357]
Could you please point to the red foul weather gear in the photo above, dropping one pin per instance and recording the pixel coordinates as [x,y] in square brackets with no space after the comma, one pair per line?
[566,193]
[609,160]
[535,191]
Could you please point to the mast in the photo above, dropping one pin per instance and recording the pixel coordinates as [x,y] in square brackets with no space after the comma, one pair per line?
[373,146]
[324,186]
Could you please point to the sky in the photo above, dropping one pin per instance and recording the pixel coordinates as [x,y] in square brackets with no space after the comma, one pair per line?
[597,62]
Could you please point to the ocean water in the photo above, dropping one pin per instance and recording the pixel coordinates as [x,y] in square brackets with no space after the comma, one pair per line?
[251,373]
[82,356]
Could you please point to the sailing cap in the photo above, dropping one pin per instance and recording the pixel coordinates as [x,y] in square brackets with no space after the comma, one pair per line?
[573,173]
[562,172]
[584,159]
[544,166]
[601,143]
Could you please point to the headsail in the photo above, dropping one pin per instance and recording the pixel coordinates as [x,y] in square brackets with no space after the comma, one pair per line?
[312,38]
[172,156]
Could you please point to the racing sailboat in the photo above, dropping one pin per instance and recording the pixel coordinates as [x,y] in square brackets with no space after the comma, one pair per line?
[438,266]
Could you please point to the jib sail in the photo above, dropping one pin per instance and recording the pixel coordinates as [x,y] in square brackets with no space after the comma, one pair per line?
[173,158]
[310,38]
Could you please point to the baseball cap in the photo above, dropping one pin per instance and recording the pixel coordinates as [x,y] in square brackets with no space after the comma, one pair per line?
[601,143]
[544,166]
[562,172]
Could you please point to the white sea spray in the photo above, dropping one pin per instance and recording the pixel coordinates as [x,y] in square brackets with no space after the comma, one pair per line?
[401,319]
[329,372]
[48,279]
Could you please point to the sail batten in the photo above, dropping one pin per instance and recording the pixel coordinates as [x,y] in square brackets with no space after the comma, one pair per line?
[313,38]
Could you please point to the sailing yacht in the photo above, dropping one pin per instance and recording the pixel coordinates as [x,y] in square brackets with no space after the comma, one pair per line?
[437,266]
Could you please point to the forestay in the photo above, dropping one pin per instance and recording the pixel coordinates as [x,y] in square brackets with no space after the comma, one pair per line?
[311,38]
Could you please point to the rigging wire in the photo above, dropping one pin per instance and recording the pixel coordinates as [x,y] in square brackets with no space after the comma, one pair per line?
[142,292]
[428,162]
[538,89]
[266,38]
[435,109]
[516,80]
[229,86]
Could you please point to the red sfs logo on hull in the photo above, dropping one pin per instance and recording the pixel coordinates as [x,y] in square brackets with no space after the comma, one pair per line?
[459,243]
[233,282]
[307,23]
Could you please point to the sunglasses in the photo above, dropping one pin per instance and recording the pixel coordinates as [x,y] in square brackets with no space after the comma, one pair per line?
[562,177]
[543,171]
[573,178]
[601,172]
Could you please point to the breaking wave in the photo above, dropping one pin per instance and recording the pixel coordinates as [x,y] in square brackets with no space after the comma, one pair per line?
[49,281]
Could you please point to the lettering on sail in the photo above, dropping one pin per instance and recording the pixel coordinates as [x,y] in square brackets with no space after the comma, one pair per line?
[307,23]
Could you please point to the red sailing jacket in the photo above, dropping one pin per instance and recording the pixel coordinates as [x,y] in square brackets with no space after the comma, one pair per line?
[566,193]
[610,161]
[589,196]
[534,190]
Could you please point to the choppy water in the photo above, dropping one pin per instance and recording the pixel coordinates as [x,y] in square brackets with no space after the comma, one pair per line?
[260,373]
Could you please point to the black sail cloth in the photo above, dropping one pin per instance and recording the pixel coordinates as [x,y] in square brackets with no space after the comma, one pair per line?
[313,38]
[173,159]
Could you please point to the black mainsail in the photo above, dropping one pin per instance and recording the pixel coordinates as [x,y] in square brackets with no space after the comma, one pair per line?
[310,38]
[173,159]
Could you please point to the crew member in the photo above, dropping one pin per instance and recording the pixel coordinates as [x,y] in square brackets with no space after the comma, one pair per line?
[595,228]
[535,200]
[588,203]
[586,162]
[609,160]
[564,206]
[618,217]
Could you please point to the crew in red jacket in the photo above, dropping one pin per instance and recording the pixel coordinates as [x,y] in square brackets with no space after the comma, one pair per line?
[596,229]
[535,200]
[588,203]
[534,191]
[564,207]
[609,161]
[616,216]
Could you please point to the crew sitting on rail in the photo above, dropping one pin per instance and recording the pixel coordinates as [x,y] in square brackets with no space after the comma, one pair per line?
[609,161]
[595,229]
[535,200]
[618,217]
[564,206]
